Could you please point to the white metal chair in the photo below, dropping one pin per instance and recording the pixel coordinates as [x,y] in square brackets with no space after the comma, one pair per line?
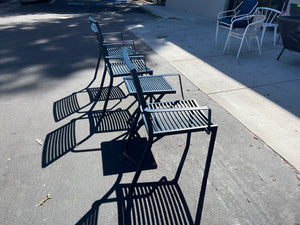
[270,21]
[243,33]
[225,18]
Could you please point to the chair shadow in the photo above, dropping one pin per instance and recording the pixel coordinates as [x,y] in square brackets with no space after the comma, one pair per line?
[161,202]
[115,162]
[69,105]
[153,203]
[63,140]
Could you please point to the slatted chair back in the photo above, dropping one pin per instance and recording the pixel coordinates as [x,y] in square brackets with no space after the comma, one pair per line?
[271,14]
[270,21]
[96,30]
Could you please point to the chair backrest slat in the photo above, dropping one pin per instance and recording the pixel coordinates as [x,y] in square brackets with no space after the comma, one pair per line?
[248,7]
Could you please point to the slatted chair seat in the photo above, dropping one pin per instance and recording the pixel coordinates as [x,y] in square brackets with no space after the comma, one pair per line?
[177,117]
[151,84]
[117,51]
[119,68]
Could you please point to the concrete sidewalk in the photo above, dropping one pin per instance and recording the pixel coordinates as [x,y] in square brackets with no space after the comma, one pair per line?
[262,93]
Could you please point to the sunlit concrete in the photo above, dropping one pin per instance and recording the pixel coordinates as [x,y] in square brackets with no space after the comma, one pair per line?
[272,123]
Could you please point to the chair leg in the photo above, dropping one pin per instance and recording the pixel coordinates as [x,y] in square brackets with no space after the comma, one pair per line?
[183,157]
[139,168]
[258,45]
[275,35]
[226,43]
[132,130]
[97,68]
[237,56]
[107,96]
[280,53]
[100,90]
[248,43]
[205,175]
[217,32]
[262,35]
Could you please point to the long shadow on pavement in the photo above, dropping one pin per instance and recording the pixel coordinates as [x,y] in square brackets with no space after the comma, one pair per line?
[161,202]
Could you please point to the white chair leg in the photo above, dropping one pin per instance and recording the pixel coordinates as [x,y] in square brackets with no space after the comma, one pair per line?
[258,45]
[248,42]
[262,35]
[227,41]
[217,31]
[237,56]
[275,35]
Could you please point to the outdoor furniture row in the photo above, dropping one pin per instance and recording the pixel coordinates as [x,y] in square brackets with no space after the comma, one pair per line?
[160,118]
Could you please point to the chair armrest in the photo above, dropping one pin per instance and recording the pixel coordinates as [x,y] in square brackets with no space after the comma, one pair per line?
[247,17]
[155,75]
[235,17]
[120,43]
[121,57]
[224,14]
[110,33]
[177,109]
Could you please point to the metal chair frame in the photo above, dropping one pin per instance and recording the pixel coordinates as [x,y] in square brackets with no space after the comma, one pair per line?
[113,60]
[233,14]
[169,118]
[116,45]
[249,32]
[270,21]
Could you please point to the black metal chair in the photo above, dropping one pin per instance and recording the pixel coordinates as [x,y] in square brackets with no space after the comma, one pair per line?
[116,44]
[169,118]
[114,63]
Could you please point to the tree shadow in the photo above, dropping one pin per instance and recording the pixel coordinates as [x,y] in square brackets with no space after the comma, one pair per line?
[44,45]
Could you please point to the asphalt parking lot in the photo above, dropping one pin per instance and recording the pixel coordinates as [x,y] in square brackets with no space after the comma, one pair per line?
[48,56]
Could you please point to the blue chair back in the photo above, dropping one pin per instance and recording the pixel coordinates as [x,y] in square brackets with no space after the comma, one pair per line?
[247,7]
